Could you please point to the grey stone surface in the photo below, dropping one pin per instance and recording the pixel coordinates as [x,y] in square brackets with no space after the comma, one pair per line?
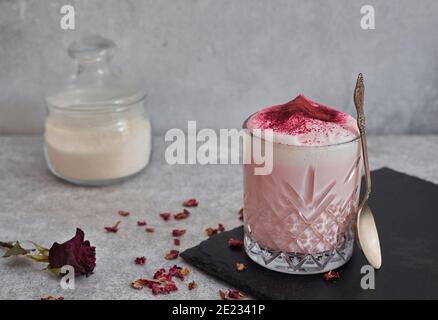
[218,61]
[35,205]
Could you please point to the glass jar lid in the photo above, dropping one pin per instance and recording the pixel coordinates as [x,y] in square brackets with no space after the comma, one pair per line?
[95,85]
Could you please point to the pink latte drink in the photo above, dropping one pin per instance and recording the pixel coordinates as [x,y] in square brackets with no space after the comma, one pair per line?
[299,218]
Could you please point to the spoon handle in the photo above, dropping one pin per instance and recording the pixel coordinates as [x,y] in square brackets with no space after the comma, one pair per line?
[359,92]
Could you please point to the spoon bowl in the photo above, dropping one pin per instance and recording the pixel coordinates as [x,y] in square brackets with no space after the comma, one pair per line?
[368,237]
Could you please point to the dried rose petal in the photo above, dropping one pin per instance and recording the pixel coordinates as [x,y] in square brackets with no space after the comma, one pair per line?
[139,284]
[114,228]
[331,276]
[123,213]
[235,294]
[150,230]
[234,243]
[182,215]
[210,232]
[52,298]
[190,203]
[141,223]
[159,273]
[140,260]
[241,266]
[179,272]
[176,242]
[178,232]
[192,285]
[241,214]
[171,255]
[231,295]
[165,216]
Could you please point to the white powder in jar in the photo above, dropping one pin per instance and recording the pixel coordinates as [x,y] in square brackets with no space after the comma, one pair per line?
[110,150]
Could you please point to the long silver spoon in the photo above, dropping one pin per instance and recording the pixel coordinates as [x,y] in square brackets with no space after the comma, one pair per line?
[366,227]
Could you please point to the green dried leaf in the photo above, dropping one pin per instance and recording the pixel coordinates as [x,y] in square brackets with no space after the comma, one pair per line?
[41,249]
[56,271]
[16,250]
[39,257]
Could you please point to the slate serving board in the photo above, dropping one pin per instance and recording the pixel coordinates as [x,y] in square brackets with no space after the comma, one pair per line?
[406,213]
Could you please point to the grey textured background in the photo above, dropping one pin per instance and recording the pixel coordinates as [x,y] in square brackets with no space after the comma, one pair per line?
[216,61]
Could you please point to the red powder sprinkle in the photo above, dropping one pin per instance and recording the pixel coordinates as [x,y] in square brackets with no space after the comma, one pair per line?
[178,232]
[294,116]
[234,243]
[140,260]
[114,228]
[176,242]
[123,213]
[190,203]
[331,276]
[141,223]
[150,230]
[172,255]
[192,285]
[165,216]
[181,215]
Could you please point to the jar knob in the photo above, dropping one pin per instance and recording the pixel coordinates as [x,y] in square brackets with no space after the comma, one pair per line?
[92,48]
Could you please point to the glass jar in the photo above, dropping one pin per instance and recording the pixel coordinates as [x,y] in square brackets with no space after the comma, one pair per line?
[299,219]
[97,131]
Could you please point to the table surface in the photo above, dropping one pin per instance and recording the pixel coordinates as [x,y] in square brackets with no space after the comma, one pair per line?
[34,205]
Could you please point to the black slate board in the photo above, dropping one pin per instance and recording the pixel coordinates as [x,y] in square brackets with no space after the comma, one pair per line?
[406,213]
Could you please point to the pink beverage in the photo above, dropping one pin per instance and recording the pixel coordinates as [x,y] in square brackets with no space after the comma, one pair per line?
[299,218]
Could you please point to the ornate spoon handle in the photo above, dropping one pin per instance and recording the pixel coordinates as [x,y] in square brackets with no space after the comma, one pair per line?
[359,92]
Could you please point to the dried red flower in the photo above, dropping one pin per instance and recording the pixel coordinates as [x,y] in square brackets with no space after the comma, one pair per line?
[75,252]
[192,285]
[231,294]
[220,227]
[234,243]
[241,214]
[190,203]
[123,213]
[141,223]
[182,215]
[178,232]
[52,298]
[171,255]
[331,276]
[140,260]
[165,216]
[150,230]
[241,266]
[176,242]
[114,228]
